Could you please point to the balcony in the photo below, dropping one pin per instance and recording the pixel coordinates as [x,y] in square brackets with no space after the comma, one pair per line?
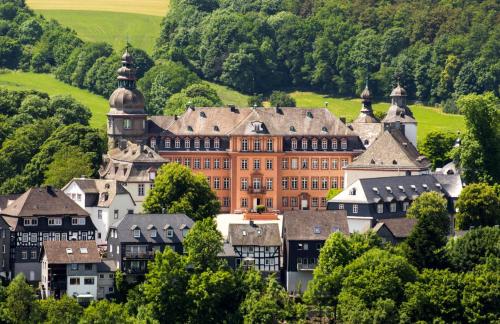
[306,267]
[139,255]
[253,190]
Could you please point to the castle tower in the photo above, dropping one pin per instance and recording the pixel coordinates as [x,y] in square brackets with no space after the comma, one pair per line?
[366,113]
[126,116]
[400,116]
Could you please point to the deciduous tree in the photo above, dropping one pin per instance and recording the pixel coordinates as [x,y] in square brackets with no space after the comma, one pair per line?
[478,205]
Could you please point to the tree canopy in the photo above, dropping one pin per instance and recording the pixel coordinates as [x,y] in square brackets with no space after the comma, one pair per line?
[478,205]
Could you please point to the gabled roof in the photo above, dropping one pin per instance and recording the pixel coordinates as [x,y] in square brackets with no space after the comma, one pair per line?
[313,225]
[5,200]
[399,227]
[452,183]
[105,189]
[256,234]
[66,252]
[146,223]
[390,189]
[391,150]
[44,201]
[223,121]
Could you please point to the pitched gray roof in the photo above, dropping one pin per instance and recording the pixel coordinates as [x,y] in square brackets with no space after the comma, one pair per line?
[105,189]
[147,222]
[391,150]
[452,183]
[46,201]
[399,227]
[313,225]
[256,234]
[238,121]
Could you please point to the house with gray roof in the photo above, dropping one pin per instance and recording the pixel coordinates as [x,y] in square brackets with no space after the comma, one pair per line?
[304,233]
[370,200]
[133,240]
[394,230]
[256,245]
[107,201]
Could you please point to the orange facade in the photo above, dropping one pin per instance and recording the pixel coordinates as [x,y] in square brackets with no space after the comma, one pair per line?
[245,176]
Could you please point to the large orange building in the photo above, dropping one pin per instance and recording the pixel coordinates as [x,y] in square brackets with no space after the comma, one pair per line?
[281,158]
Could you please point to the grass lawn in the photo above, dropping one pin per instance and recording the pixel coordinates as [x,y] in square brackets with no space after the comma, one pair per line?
[428,118]
[228,95]
[145,7]
[48,83]
[111,27]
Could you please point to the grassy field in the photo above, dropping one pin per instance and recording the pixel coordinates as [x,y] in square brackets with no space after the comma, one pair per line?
[145,7]
[229,96]
[428,118]
[111,27]
[47,83]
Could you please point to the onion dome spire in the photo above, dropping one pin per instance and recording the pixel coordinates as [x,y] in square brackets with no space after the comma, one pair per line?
[366,113]
[126,74]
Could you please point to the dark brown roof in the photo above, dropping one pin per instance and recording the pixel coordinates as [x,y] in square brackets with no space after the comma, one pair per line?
[284,121]
[257,234]
[66,252]
[391,150]
[44,201]
[314,225]
[399,227]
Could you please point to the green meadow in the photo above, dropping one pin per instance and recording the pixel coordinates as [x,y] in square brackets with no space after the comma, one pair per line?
[49,84]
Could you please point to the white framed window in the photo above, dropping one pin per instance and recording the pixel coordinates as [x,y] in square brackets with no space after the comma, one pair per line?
[393,207]
[380,208]
[152,142]
[304,183]
[269,202]
[216,143]
[207,142]
[294,144]
[335,164]
[244,184]
[256,145]
[197,163]
[256,164]
[30,222]
[314,164]
[341,206]
[344,163]
[137,233]
[314,183]
[304,144]
[207,163]
[226,163]
[154,232]
[314,144]
[127,123]
[256,183]
[269,164]
[170,232]
[226,202]
[343,144]
[270,145]
[284,183]
[244,203]
[294,183]
[187,143]
[324,164]
[24,255]
[177,143]
[405,205]
[324,144]
[269,184]
[226,183]
[244,144]
[355,208]
[140,189]
[216,183]
[58,221]
[167,143]
[324,183]
[284,163]
[244,164]
[197,143]
[295,164]
[334,144]
[216,163]
[77,221]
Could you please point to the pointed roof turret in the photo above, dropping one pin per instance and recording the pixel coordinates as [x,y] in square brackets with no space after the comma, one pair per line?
[366,114]
[399,111]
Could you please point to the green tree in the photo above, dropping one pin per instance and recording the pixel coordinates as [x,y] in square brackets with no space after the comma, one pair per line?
[202,245]
[478,205]
[197,95]
[178,190]
[435,297]
[10,52]
[437,146]
[101,77]
[105,312]
[425,243]
[68,163]
[164,291]
[480,150]
[282,99]
[35,106]
[373,287]
[257,100]
[474,248]
[69,111]
[21,304]
[65,310]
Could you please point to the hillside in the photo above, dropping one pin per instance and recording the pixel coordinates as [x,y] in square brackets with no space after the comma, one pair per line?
[111,27]
[47,83]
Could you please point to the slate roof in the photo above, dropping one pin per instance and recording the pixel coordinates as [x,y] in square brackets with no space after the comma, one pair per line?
[238,121]
[399,227]
[43,201]
[106,266]
[452,183]
[146,222]
[391,189]
[105,189]
[58,252]
[313,225]
[256,234]
[391,150]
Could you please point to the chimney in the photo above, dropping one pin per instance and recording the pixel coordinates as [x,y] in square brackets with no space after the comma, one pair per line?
[342,119]
[232,107]
[252,223]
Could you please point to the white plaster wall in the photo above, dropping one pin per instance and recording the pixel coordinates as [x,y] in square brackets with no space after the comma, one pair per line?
[74,189]
[82,289]
[132,187]
[358,224]
[411,133]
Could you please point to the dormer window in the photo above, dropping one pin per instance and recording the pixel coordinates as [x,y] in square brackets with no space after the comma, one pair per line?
[314,144]
[317,229]
[216,143]
[257,127]
[167,143]
[294,144]
[154,232]
[394,162]
[187,143]
[207,142]
[352,192]
[324,129]
[197,143]
[304,144]
[389,189]
[152,143]
[177,143]
[185,231]
[292,129]
[137,233]
[343,144]
[334,144]
[309,114]
[216,128]
[152,175]
[324,144]
[425,186]
[190,128]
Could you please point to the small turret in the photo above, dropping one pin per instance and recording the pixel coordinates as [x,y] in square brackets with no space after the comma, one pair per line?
[366,114]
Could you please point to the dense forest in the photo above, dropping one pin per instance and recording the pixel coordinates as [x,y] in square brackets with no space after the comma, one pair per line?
[437,49]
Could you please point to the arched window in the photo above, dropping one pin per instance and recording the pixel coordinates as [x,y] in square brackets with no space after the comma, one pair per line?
[343,144]
[197,143]
[207,142]
[269,144]
[304,143]
[334,144]
[216,143]
[294,144]
[314,144]
[324,144]
[177,143]
[244,144]
[187,142]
